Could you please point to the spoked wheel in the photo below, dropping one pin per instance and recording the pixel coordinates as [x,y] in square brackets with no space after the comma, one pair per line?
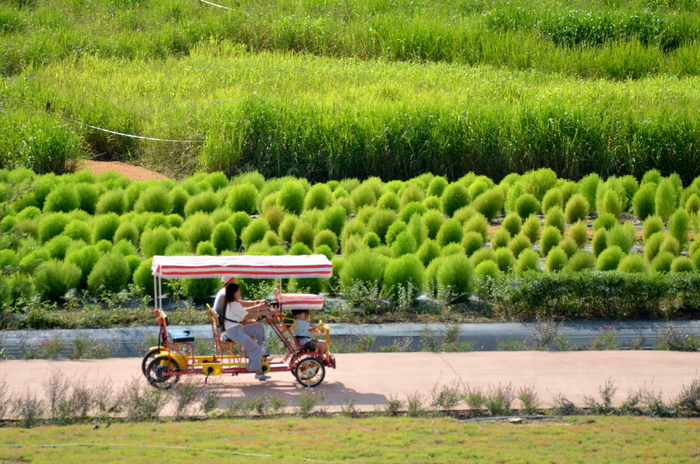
[310,372]
[162,373]
[148,358]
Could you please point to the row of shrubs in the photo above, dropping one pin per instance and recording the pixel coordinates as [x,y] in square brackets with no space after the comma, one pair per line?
[394,240]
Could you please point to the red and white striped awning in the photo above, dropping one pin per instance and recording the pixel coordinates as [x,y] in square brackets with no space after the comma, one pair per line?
[242,266]
[308,301]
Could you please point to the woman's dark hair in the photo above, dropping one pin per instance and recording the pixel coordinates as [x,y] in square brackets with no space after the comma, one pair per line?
[230,296]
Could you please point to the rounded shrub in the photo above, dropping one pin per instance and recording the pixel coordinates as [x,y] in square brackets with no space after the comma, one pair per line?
[52,225]
[577,208]
[551,236]
[450,232]
[404,244]
[599,242]
[588,187]
[455,277]
[105,227]
[528,260]
[197,228]
[205,202]
[610,258]
[481,255]
[437,186]
[633,263]
[410,209]
[304,233]
[418,228]
[488,268]
[454,197]
[205,248]
[353,244]
[178,198]
[553,197]
[286,228]
[255,232]
[678,227]
[389,200]
[682,264]
[364,195]
[432,203]
[328,238]
[500,238]
[531,228]
[653,245]
[111,274]
[154,199]
[527,204]
[324,249]
[433,220]
[479,224]
[490,203]
[380,222]
[671,245]
[556,260]
[125,247]
[692,204]
[78,230]
[643,201]
[451,248]
[472,242]
[518,244]
[580,261]
[652,225]
[365,214]
[223,238]
[57,246]
[127,231]
[665,199]
[662,262]
[291,197]
[63,198]
[404,277]
[333,219]
[155,242]
[555,218]
[394,230]
[371,240]
[512,223]
[622,235]
[352,228]
[54,278]
[413,193]
[365,267]
[274,215]
[505,259]
[578,232]
[610,203]
[428,251]
[569,246]
[89,195]
[85,258]
[177,248]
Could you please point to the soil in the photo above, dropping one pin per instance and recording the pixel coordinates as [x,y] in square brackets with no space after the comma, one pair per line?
[127,170]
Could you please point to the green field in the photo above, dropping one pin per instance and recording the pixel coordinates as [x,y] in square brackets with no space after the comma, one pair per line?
[293,439]
[354,89]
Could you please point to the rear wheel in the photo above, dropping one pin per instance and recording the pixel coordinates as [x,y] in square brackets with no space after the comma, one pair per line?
[149,357]
[310,372]
[163,373]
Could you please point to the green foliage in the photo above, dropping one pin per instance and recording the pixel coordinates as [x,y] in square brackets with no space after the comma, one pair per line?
[178,198]
[389,200]
[665,199]
[531,228]
[109,275]
[255,231]
[243,197]
[455,277]
[500,238]
[622,236]
[678,227]
[580,261]
[112,201]
[588,187]
[105,227]
[404,277]
[633,263]
[198,228]
[410,209]
[291,197]
[329,239]
[205,202]
[54,278]
[610,258]
[333,219]
[556,261]
[365,266]
[143,277]
[479,224]
[127,231]
[428,251]
[404,244]
[78,230]
[394,230]
[490,203]
[488,268]
[527,205]
[304,233]
[528,260]
[380,222]
[57,246]
[433,221]
[512,223]
[155,199]
[64,198]
[472,242]
[662,262]
[551,236]
[577,208]
[553,197]
[555,217]
[644,202]
[652,225]
[240,220]
[454,197]
[52,225]
[371,240]
[505,259]
[671,245]
[155,242]
[579,233]
[653,245]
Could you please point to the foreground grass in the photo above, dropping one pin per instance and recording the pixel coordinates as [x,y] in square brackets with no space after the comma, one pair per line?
[341,439]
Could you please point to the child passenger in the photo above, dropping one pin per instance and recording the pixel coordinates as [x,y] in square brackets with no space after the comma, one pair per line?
[304,330]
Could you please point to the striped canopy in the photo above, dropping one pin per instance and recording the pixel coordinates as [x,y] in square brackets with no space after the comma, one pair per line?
[242,266]
[308,301]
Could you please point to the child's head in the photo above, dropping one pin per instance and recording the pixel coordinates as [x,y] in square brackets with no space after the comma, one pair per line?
[301,313]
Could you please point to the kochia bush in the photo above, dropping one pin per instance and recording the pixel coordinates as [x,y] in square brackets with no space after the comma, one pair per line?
[455,277]
[54,278]
[110,274]
[404,277]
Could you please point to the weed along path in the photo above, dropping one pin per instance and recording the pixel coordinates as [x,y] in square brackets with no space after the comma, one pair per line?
[370,380]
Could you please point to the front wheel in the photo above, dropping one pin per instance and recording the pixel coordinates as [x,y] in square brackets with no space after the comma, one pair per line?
[310,372]
[149,357]
[163,373]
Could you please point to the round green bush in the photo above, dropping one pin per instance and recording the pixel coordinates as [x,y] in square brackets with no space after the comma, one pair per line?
[455,277]
[454,196]
[433,220]
[450,232]
[451,248]
[696,258]
[556,261]
[577,208]
[380,222]
[404,277]
[512,223]
[223,237]
[692,204]
[652,225]
[610,258]
[643,202]
[578,232]
[488,268]
[239,221]
[671,245]
[465,213]
[410,209]
[527,204]
[177,233]
[569,246]
[63,198]
[365,213]
[505,259]
[665,199]
[291,197]
[274,215]
[127,231]
[371,240]
[518,244]
[177,248]
[205,202]
[418,228]
[286,228]
[633,263]
[143,278]
[178,198]
[478,187]
[481,255]
[319,196]
[324,249]
[531,228]
[89,195]
[610,203]
[599,242]
[428,251]
[333,219]
[329,239]
[352,228]
[394,230]
[8,259]
[363,266]
[364,195]
[52,225]
[155,242]
[54,278]
[580,261]
[85,258]
[479,224]
[413,193]
[622,236]
[217,180]
[389,200]
[437,186]
[553,197]
[662,262]
[197,228]
[404,244]
[30,212]
[432,203]
[125,247]
[254,232]
[154,199]
[472,242]
[678,227]
[551,236]
[652,175]
[528,260]
[653,245]
[105,227]
[490,203]
[500,238]
[78,230]
[173,220]
[57,246]
[555,217]
[353,244]
[205,248]
[304,233]
[588,187]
